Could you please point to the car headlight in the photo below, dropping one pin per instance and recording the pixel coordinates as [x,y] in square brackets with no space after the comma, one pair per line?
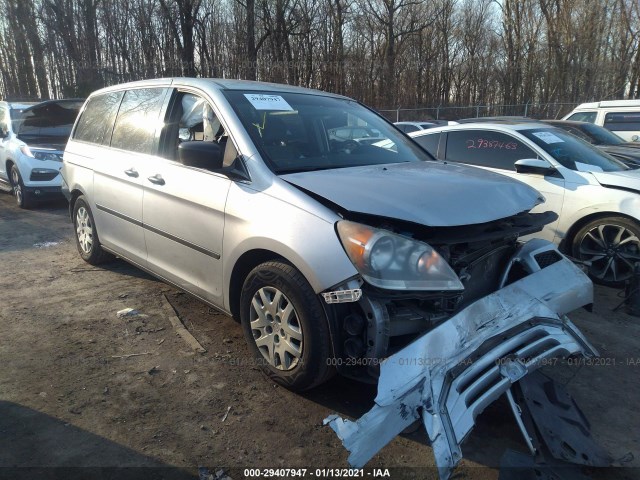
[43,155]
[394,262]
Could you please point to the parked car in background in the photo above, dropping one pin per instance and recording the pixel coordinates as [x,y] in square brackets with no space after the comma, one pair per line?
[32,139]
[596,196]
[607,141]
[407,127]
[620,116]
[347,135]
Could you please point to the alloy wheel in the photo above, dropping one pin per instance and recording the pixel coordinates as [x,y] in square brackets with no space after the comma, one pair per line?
[17,187]
[612,250]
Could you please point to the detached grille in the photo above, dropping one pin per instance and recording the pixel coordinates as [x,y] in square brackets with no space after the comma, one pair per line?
[42,176]
[547,258]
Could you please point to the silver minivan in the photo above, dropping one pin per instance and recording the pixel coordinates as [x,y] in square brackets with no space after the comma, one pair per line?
[334,254]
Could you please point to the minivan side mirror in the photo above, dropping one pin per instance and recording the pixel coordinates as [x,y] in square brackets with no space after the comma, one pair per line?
[199,154]
[534,165]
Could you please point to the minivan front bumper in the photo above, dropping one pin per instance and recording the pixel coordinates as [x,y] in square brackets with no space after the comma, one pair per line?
[453,372]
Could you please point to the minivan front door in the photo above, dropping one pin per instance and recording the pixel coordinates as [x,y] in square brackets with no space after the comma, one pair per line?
[183,207]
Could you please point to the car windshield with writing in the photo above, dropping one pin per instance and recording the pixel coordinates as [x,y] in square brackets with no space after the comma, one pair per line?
[297,132]
[573,153]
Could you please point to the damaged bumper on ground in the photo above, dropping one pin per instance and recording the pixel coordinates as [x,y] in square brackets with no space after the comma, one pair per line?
[450,374]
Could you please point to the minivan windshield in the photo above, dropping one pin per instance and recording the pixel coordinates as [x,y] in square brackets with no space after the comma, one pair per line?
[298,132]
[572,152]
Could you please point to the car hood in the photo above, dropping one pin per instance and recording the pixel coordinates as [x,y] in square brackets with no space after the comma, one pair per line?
[629,179]
[427,193]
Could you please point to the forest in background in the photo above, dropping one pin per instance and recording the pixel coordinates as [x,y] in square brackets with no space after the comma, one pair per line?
[385,53]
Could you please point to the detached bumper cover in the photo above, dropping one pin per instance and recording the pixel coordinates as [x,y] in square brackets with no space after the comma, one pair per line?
[450,374]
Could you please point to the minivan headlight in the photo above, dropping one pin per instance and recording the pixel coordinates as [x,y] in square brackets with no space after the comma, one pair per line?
[394,262]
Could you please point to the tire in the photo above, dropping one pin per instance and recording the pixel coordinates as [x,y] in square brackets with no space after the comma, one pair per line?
[285,326]
[23,198]
[87,239]
[612,245]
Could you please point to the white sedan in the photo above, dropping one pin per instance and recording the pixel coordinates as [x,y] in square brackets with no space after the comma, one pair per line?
[596,197]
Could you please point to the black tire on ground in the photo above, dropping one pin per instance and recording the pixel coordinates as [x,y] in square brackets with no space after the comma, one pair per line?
[280,311]
[612,244]
[87,239]
[23,198]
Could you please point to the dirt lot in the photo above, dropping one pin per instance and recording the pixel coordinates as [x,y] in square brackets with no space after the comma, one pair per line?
[71,396]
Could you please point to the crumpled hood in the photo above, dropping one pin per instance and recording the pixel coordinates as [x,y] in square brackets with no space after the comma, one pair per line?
[427,193]
[624,179]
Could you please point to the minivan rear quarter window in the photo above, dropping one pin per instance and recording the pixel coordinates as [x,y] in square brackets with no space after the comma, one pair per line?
[96,122]
[138,119]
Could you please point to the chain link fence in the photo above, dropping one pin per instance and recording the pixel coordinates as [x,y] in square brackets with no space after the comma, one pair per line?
[532,110]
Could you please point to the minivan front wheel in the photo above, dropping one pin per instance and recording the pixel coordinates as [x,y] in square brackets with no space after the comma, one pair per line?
[285,326]
[612,246]
[86,234]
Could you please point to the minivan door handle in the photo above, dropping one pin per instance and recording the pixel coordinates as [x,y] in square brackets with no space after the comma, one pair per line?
[132,172]
[156,179]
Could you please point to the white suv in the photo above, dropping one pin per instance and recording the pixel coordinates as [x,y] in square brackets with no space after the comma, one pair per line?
[622,117]
[32,139]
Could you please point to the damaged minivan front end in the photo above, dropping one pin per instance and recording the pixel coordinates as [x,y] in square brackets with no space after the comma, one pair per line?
[448,376]
[447,319]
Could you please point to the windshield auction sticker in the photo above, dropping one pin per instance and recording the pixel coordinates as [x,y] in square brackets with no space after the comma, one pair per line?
[548,137]
[268,102]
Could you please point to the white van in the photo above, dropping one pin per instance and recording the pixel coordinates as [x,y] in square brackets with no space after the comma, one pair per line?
[620,116]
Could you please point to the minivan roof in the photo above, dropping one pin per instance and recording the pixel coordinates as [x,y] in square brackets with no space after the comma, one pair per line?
[218,83]
[609,104]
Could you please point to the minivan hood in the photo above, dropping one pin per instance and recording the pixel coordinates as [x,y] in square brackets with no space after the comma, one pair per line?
[428,193]
[629,179]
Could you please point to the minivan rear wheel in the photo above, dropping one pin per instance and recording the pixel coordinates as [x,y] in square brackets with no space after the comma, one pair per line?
[87,239]
[612,245]
[285,326]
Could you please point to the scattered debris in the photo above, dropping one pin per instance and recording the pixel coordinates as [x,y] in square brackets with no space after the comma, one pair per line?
[75,411]
[131,355]
[124,295]
[180,328]
[127,312]
[46,244]
[161,341]
[226,414]
[227,340]
[154,370]
[204,474]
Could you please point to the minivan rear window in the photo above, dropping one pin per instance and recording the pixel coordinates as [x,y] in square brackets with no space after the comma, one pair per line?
[96,122]
[138,119]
